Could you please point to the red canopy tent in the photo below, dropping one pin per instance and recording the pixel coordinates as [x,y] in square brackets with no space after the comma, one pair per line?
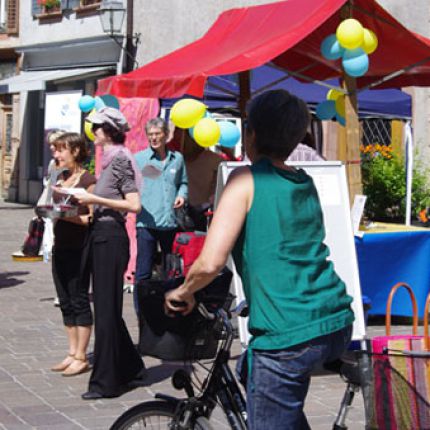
[287,33]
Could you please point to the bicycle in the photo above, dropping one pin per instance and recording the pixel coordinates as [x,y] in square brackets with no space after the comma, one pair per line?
[219,388]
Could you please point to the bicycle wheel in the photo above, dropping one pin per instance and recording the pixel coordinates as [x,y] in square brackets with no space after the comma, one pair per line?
[153,415]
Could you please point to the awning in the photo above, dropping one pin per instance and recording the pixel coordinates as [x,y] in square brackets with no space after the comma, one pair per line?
[36,81]
[288,34]
[222,92]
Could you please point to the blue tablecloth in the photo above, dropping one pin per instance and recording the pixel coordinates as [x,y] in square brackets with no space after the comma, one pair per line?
[385,259]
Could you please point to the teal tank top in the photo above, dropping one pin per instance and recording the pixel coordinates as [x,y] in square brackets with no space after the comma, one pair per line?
[292,289]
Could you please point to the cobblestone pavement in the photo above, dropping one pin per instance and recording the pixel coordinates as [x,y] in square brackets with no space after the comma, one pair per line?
[32,340]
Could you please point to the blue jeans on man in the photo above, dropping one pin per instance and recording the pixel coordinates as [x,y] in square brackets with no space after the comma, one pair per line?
[147,239]
[279,381]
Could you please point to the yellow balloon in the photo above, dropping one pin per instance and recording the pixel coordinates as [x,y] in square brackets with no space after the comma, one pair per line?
[88,132]
[370,41]
[206,132]
[186,112]
[350,34]
[340,106]
[334,94]
[88,127]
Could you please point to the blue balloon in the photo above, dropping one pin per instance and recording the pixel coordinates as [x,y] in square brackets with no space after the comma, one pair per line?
[331,49]
[326,109]
[230,134]
[355,62]
[110,101]
[341,120]
[99,103]
[86,103]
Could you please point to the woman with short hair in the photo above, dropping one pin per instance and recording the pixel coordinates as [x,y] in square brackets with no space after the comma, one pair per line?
[269,216]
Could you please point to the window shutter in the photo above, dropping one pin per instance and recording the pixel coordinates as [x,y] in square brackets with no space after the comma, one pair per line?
[36,8]
[12,16]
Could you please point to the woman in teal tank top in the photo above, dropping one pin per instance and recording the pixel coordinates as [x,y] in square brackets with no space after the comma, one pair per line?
[270,218]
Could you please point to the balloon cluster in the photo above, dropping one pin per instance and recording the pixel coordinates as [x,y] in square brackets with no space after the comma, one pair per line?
[352,43]
[88,104]
[333,107]
[192,114]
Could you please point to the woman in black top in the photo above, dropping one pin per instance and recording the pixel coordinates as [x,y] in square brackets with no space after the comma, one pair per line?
[116,361]
[69,153]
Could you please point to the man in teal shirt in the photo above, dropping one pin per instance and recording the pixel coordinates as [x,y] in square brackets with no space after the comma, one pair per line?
[164,188]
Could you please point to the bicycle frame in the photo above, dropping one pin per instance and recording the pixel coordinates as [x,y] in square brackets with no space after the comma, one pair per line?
[220,385]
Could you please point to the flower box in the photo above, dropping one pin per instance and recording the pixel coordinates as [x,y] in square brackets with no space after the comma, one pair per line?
[49,8]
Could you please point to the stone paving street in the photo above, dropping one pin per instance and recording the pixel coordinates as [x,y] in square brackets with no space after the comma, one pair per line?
[32,340]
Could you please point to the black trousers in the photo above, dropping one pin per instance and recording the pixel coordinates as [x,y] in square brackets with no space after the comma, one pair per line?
[116,361]
[71,290]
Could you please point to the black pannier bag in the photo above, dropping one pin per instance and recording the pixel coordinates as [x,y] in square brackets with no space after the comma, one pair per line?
[34,239]
[189,337]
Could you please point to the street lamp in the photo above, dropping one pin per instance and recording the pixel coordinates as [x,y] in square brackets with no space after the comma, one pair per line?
[112,14]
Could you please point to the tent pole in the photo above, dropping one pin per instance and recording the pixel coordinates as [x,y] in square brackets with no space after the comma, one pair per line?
[244,96]
[349,136]
[349,139]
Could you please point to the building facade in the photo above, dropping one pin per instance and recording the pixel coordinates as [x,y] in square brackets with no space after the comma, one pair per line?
[58,46]
[9,41]
[61,49]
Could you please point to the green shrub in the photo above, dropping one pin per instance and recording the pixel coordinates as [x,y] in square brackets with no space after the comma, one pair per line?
[384,184]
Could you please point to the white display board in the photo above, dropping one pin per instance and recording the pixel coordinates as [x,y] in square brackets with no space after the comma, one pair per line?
[330,180]
[62,111]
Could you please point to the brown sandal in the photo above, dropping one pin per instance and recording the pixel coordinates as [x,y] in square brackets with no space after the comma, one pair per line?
[73,370]
[64,364]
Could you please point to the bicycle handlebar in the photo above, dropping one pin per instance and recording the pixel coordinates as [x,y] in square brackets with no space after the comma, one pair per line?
[241,310]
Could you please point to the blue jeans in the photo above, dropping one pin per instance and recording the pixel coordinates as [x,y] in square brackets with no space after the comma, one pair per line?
[147,239]
[280,380]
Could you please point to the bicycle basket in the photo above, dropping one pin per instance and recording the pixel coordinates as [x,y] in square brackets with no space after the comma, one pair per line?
[189,337]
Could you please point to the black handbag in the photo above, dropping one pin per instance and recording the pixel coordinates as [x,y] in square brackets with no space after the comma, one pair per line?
[189,337]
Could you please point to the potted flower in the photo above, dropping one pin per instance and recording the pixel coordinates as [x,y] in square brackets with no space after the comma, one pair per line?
[50,6]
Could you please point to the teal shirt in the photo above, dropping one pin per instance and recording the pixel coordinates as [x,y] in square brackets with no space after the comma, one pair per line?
[292,289]
[158,194]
